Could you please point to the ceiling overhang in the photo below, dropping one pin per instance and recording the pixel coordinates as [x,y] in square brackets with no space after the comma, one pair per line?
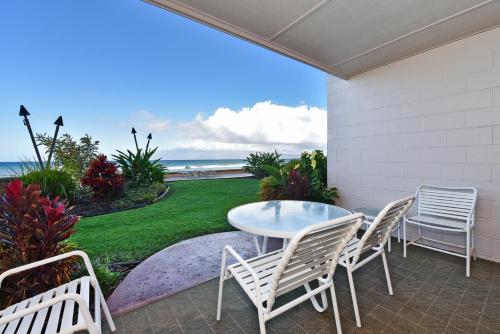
[343,37]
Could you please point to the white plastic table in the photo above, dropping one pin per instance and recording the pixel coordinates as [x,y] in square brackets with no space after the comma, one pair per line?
[280,219]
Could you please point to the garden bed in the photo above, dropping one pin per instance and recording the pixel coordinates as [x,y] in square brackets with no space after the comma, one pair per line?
[103,206]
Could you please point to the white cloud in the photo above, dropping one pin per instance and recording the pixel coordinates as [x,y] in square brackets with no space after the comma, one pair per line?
[146,120]
[264,127]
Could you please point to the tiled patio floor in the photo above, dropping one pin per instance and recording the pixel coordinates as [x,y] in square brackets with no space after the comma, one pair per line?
[431,295]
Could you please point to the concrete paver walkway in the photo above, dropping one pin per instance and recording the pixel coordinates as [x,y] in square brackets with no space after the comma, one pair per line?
[179,267]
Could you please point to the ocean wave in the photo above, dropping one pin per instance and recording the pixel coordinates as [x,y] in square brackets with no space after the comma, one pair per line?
[204,167]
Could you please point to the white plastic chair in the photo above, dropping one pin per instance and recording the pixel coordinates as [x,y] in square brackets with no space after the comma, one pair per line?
[63,302]
[370,215]
[311,255]
[445,209]
[374,240]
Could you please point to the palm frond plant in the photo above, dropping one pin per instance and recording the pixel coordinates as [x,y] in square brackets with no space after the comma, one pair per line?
[138,168]
[256,162]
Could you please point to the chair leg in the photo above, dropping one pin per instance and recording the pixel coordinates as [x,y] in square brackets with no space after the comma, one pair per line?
[389,244]
[353,295]
[314,301]
[387,275]
[335,309]
[473,250]
[467,254]
[404,238]
[399,232]
[262,322]
[221,284]
[105,308]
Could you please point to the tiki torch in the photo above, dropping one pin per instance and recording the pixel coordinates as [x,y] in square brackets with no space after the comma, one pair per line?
[149,139]
[58,123]
[24,113]
[135,139]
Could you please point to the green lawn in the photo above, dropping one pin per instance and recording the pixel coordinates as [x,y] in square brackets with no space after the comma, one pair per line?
[192,208]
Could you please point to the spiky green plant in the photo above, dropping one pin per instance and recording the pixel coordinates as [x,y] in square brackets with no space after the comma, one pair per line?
[138,168]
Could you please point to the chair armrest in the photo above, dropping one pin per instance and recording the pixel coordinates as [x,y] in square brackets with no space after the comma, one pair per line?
[83,307]
[43,262]
[247,267]
[242,262]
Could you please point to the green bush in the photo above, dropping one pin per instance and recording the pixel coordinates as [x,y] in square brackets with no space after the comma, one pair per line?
[314,166]
[135,194]
[70,155]
[256,161]
[138,168]
[52,182]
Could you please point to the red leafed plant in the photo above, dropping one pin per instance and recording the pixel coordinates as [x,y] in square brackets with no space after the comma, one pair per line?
[103,177]
[33,228]
[298,187]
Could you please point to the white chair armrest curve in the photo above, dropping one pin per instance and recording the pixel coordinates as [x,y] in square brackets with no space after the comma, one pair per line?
[247,267]
[43,262]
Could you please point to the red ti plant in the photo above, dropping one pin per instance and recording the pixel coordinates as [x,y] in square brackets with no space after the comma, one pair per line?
[298,187]
[102,176]
[33,228]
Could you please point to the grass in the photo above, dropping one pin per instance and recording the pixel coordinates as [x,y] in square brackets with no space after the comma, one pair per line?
[192,208]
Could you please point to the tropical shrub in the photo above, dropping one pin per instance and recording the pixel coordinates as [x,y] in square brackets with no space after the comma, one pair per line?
[103,177]
[303,179]
[256,161]
[33,228]
[314,165]
[52,182]
[284,184]
[138,168]
[69,154]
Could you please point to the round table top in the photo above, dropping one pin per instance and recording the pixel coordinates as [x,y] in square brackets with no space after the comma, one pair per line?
[281,219]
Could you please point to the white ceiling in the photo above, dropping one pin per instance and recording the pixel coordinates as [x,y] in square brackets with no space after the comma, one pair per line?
[343,37]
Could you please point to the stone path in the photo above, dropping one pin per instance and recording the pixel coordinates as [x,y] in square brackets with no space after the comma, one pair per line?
[179,267]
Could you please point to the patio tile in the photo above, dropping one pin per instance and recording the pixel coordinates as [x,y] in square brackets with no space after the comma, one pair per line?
[136,322]
[431,295]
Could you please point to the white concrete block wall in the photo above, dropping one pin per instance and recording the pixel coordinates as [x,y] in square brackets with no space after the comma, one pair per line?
[431,118]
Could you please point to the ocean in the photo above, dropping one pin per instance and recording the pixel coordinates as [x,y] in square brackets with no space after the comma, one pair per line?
[178,166]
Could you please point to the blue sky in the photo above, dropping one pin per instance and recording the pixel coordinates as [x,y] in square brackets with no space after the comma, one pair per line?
[105,65]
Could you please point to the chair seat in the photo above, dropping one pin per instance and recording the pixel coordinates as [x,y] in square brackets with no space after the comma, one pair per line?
[264,266]
[62,316]
[438,222]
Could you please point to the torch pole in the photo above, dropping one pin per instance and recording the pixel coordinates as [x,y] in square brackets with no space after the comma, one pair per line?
[26,122]
[52,147]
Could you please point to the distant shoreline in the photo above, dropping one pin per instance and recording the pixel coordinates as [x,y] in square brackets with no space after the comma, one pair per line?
[173,166]
[177,176]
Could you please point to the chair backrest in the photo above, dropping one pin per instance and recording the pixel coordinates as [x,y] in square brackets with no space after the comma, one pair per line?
[380,229]
[313,254]
[444,202]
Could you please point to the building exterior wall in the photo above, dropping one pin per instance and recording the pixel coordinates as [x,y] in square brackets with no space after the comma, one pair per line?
[432,118]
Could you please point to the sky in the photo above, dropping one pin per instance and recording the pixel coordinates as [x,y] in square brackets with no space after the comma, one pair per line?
[108,65]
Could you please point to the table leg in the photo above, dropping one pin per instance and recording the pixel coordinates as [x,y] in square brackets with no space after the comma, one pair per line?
[264,245]
[257,246]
